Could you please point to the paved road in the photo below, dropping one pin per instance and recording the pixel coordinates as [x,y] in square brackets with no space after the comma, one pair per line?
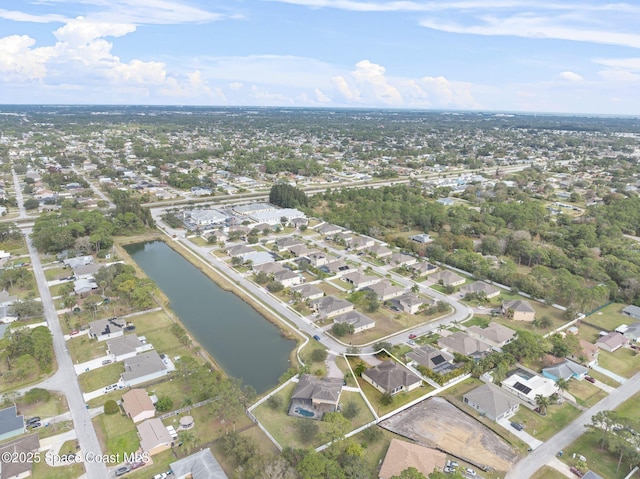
[545,453]
[19,198]
[95,189]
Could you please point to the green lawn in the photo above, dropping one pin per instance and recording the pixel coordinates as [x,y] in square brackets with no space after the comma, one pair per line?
[117,434]
[544,427]
[480,321]
[586,394]
[604,379]
[314,366]
[374,396]
[83,349]
[625,362]
[610,317]
[545,472]
[54,273]
[101,377]
[598,460]
[43,471]
[629,408]
[57,404]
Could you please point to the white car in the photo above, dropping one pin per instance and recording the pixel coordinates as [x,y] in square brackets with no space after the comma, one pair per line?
[470,472]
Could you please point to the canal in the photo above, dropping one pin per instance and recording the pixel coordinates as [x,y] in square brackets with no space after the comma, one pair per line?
[241,340]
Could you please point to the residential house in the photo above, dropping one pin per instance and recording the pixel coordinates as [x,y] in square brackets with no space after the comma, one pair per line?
[268,268]
[401,259]
[330,306]
[492,402]
[592,475]
[84,286]
[338,267]
[274,217]
[327,229]
[632,311]
[448,278]
[343,238]
[520,309]
[423,268]
[103,329]
[287,242]
[360,280]
[359,321]
[240,250]
[390,377]
[287,278]
[480,288]
[361,242]
[423,238]
[74,263]
[495,334]
[633,332]
[201,465]
[527,386]
[308,291]
[409,303]
[566,370]
[137,405]
[154,436]
[142,368]
[220,236]
[316,395]
[318,259]
[431,358]
[23,447]
[88,271]
[299,250]
[379,251]
[125,347]
[588,354]
[402,455]
[299,222]
[385,291]
[11,424]
[464,344]
[612,341]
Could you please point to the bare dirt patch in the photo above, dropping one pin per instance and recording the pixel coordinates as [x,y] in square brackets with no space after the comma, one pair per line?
[437,423]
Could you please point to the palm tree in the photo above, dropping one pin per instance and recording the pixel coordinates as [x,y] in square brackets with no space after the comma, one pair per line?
[360,368]
[188,440]
[542,403]
[563,384]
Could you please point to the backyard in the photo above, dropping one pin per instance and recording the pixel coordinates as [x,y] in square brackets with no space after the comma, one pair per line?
[625,361]
[117,434]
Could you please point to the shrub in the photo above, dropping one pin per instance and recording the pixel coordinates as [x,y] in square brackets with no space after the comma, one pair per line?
[351,410]
[307,429]
[318,355]
[164,404]
[37,395]
[111,407]
[274,402]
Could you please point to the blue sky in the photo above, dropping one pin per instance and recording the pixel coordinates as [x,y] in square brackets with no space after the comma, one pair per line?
[510,55]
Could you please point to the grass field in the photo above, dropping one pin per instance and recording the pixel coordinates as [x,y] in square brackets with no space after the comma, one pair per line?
[57,404]
[374,396]
[117,434]
[598,460]
[544,427]
[586,394]
[43,471]
[625,362]
[546,472]
[610,317]
[83,349]
[101,377]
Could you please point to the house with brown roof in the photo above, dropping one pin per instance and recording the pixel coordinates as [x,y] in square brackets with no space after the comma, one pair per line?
[402,455]
[361,242]
[464,344]
[448,278]
[315,395]
[330,306]
[154,436]
[519,310]
[480,287]
[495,334]
[588,353]
[137,404]
[390,377]
[612,341]
[359,321]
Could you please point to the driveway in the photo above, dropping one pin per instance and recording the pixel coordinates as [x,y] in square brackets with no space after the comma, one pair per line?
[611,374]
[523,435]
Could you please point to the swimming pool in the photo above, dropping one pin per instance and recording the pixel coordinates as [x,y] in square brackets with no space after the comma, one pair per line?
[304,412]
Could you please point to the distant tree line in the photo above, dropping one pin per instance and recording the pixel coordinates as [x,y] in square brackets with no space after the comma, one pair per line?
[287,196]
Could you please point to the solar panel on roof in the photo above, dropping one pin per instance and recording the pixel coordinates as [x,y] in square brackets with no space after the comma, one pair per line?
[437,360]
[522,388]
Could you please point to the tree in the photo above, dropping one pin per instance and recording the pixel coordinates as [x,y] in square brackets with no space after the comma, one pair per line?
[410,473]
[386,399]
[359,368]
[350,410]
[36,395]
[341,329]
[337,426]
[164,404]
[187,440]
[542,402]
[318,355]
[274,401]
[563,384]
[382,345]
[274,286]
[31,204]
[111,407]
[307,429]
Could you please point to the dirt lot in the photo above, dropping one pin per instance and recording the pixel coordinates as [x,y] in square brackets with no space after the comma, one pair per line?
[436,423]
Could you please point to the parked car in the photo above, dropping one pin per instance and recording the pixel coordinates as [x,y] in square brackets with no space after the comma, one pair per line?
[74,332]
[452,464]
[412,336]
[35,425]
[33,420]
[316,337]
[162,475]
[576,471]
[122,470]
[590,379]
[106,361]
[470,472]
[111,387]
[449,470]
[517,426]
[136,465]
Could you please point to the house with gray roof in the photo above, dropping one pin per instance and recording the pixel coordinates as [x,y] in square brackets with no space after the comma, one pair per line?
[315,395]
[359,321]
[337,267]
[360,280]
[287,278]
[520,309]
[431,358]
[409,303]
[10,423]
[125,347]
[464,344]
[88,271]
[361,242]
[495,334]
[632,311]
[240,250]
[308,291]
[288,242]
[328,229]
[103,329]
[480,287]
[492,402]
[142,368]
[566,370]
[390,377]
[423,268]
[201,465]
[401,259]
[379,250]
[633,331]
[385,290]
[84,286]
[268,268]
[448,278]
[75,263]
[330,306]
[21,447]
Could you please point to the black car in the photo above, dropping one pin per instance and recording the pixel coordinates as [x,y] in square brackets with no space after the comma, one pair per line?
[33,420]
[517,426]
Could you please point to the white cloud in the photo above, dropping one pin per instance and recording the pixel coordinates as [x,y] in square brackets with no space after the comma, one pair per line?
[625,63]
[18,61]
[320,96]
[17,16]
[351,95]
[82,31]
[236,85]
[619,76]
[570,76]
